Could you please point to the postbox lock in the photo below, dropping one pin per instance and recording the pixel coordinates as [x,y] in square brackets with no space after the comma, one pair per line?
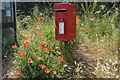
[61,19]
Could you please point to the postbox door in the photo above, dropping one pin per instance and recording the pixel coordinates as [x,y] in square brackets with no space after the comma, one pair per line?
[61,28]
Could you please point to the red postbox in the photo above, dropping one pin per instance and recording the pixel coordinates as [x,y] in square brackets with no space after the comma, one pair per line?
[65,21]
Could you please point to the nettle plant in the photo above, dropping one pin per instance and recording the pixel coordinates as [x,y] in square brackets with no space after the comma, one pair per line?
[38,54]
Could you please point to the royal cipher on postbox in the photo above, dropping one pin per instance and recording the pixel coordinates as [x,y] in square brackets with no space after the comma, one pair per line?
[65,21]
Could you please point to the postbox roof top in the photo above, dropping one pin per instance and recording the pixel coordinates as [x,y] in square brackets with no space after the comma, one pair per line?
[63,4]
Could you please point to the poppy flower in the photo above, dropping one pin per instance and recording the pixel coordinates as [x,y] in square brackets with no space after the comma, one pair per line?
[83,29]
[43,42]
[39,33]
[42,18]
[77,19]
[47,70]
[34,53]
[50,49]
[38,21]
[21,53]
[19,74]
[30,61]
[41,36]
[25,37]
[31,36]
[54,72]
[28,42]
[40,47]
[39,26]
[72,40]
[21,46]
[39,58]
[33,31]
[43,45]
[60,59]
[14,46]
[45,49]
[36,47]
[42,66]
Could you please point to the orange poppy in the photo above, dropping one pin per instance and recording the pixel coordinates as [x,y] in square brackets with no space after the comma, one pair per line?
[42,18]
[50,49]
[54,72]
[34,53]
[60,59]
[39,58]
[19,74]
[47,70]
[42,66]
[14,46]
[30,61]
[83,29]
[43,42]
[45,49]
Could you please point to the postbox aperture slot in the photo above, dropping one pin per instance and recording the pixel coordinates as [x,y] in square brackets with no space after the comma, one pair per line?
[60,10]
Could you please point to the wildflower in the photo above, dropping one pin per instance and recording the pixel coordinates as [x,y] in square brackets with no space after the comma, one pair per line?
[42,18]
[25,37]
[34,53]
[43,45]
[33,31]
[83,29]
[50,49]
[43,66]
[22,35]
[40,47]
[43,42]
[36,47]
[38,21]
[39,58]
[77,19]
[30,61]
[47,70]
[14,46]
[39,34]
[21,46]
[45,49]
[31,36]
[54,72]
[26,43]
[72,40]
[21,53]
[19,74]
[60,59]
[39,26]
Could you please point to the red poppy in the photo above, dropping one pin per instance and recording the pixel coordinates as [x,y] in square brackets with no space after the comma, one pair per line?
[47,70]
[72,40]
[43,45]
[39,26]
[39,58]
[41,36]
[19,74]
[21,46]
[43,42]
[28,42]
[83,29]
[34,53]
[21,53]
[50,49]
[38,21]
[25,37]
[33,31]
[60,59]
[36,47]
[45,49]
[30,61]
[40,47]
[42,66]
[39,33]
[54,72]
[31,36]
[77,19]
[14,46]
[42,18]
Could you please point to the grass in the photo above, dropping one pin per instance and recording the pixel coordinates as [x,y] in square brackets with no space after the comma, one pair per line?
[100,35]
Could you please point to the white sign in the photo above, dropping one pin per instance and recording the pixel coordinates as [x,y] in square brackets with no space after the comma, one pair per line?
[61,27]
